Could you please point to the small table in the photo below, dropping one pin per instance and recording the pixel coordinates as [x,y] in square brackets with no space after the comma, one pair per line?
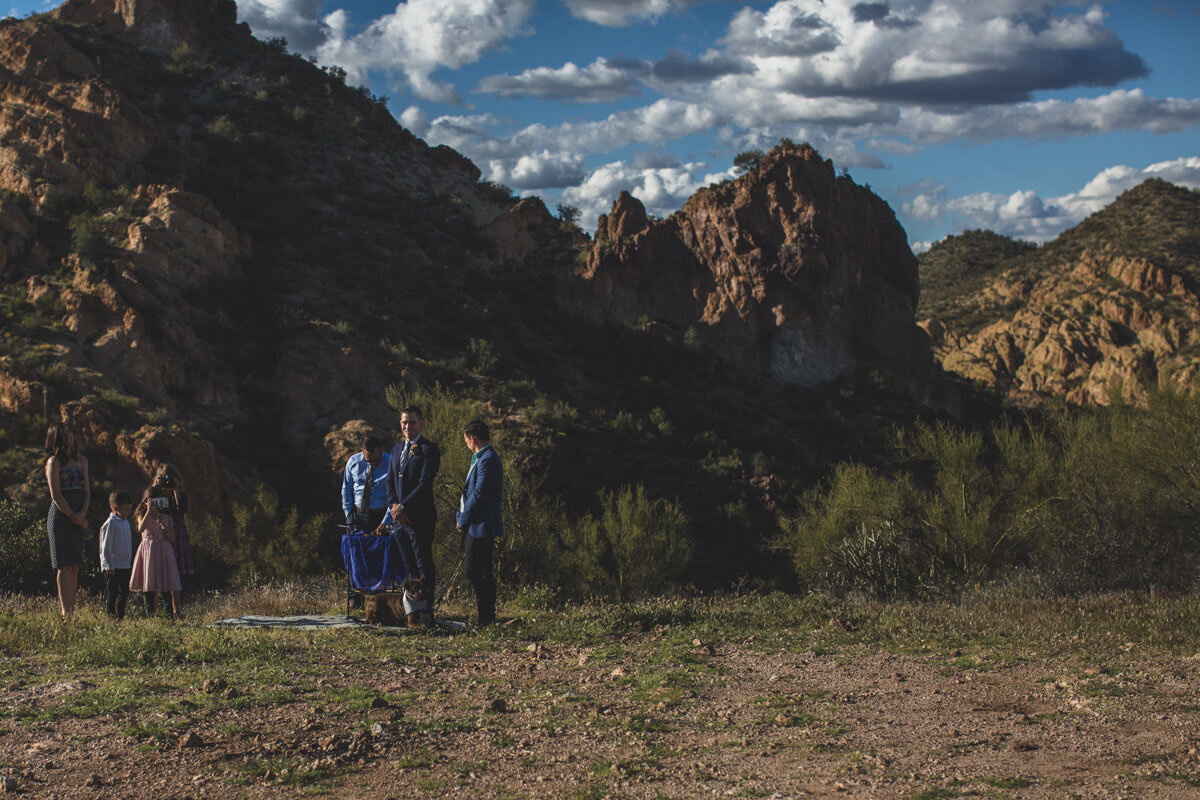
[373,564]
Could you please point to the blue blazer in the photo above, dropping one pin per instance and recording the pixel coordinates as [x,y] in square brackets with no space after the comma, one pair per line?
[479,514]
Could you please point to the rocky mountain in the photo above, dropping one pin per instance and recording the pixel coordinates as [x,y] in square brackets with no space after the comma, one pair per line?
[790,271]
[216,253]
[1111,304]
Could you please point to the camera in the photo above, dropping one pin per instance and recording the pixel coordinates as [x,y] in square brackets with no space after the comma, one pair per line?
[161,502]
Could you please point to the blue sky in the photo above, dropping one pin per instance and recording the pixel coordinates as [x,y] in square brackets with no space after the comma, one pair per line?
[1018,115]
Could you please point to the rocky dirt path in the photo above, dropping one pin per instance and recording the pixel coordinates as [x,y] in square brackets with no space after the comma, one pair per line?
[665,713]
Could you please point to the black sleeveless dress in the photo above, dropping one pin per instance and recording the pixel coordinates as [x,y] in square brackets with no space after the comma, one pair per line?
[66,538]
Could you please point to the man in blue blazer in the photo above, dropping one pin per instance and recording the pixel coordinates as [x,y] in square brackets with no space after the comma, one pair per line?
[414,465]
[479,517]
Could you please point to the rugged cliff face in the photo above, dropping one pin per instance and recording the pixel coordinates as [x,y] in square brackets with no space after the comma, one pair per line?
[788,271]
[1113,304]
[186,215]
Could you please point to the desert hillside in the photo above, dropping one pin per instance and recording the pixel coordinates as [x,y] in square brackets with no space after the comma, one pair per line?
[1111,304]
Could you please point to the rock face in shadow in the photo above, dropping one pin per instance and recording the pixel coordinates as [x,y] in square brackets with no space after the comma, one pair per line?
[789,271]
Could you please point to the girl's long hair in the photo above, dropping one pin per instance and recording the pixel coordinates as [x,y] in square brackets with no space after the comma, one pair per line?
[56,442]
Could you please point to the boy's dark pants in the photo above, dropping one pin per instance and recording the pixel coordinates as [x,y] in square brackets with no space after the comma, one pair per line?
[116,591]
[477,564]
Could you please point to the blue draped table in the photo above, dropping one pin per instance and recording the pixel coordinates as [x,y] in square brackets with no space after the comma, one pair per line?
[373,562]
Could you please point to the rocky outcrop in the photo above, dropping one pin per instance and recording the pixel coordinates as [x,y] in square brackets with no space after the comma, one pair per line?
[1081,324]
[159,24]
[790,271]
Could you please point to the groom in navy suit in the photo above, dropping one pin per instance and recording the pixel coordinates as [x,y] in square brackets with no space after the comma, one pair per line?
[479,517]
[414,465]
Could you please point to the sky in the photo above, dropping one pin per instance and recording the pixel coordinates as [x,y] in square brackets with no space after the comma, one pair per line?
[1021,116]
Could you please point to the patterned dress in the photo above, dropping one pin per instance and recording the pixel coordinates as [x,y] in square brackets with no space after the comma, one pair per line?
[154,568]
[66,538]
[183,545]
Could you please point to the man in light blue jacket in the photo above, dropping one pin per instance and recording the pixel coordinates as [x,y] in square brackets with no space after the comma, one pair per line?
[479,517]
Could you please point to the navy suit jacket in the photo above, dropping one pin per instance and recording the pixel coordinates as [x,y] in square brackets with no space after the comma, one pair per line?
[410,481]
[479,514]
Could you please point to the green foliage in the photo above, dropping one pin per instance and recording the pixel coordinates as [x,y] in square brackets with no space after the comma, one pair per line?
[496,192]
[24,551]
[225,127]
[1104,499]
[87,234]
[185,62]
[747,160]
[961,264]
[267,542]
[637,547]
[568,213]
[59,204]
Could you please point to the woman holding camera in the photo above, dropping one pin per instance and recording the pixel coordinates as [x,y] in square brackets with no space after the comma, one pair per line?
[154,567]
[169,484]
[70,494]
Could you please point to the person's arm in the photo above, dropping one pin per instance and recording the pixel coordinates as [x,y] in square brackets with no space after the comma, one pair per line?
[393,491]
[431,460]
[348,491]
[487,481]
[105,559]
[56,495]
[181,498]
[143,514]
[168,526]
[87,492]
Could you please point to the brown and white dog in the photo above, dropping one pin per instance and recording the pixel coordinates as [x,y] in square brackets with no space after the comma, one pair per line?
[385,608]
[418,610]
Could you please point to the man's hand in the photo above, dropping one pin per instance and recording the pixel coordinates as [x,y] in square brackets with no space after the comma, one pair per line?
[379,530]
[459,526]
[399,514]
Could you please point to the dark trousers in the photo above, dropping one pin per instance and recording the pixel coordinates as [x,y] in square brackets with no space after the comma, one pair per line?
[116,592]
[477,564]
[416,548]
[366,520]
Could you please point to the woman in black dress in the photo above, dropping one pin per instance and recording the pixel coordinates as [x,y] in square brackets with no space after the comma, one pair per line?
[70,494]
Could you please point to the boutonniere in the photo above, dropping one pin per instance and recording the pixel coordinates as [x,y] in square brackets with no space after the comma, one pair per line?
[414,451]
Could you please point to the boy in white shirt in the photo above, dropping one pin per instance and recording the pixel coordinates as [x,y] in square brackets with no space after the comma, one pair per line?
[116,553]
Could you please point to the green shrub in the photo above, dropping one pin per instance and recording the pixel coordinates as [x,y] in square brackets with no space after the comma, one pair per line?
[637,547]
[225,128]
[87,234]
[747,160]
[24,551]
[265,542]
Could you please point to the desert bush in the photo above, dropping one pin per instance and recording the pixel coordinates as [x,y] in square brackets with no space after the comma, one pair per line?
[1131,481]
[24,551]
[636,547]
[747,160]
[842,520]
[264,541]
[87,234]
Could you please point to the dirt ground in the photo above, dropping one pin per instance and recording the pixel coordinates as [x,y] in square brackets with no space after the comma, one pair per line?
[663,714]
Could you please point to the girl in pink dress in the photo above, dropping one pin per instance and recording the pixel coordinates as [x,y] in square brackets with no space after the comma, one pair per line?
[154,567]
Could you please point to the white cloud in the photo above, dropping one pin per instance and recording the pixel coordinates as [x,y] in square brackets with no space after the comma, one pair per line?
[545,170]
[661,121]
[422,35]
[415,120]
[661,189]
[597,82]
[1119,110]
[616,13]
[1025,215]
[298,21]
